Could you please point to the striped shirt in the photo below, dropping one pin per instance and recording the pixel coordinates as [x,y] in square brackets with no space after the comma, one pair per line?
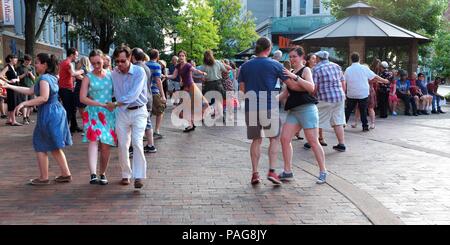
[155,68]
[328,77]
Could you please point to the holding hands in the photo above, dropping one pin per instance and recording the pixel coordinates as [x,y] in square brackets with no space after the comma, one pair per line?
[110,106]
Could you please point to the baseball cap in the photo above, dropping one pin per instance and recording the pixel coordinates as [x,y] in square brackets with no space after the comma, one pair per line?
[385,64]
[322,54]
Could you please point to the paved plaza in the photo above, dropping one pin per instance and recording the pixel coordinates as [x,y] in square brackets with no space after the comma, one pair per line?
[394,174]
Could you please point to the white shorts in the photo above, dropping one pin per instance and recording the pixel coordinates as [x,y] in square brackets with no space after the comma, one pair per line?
[331,114]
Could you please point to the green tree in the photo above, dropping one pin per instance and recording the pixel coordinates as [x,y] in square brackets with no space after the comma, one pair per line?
[197,29]
[441,56]
[135,22]
[236,33]
[414,15]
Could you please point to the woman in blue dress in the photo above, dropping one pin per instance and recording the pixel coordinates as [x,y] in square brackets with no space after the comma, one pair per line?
[51,133]
[98,121]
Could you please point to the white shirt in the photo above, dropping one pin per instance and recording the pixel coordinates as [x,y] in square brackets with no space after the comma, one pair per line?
[357,77]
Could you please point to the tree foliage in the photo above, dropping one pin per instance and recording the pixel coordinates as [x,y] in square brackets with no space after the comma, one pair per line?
[136,22]
[197,29]
[414,15]
[236,33]
[441,57]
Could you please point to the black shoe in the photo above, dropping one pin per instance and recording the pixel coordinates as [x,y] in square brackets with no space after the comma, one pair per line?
[307,146]
[94,179]
[3,116]
[434,112]
[415,114]
[366,129]
[419,113]
[440,111]
[150,149]
[103,180]
[339,147]
[424,112]
[189,129]
[407,114]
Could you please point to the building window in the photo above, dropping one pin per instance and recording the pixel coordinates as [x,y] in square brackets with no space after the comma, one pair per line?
[289,8]
[316,7]
[302,7]
[281,8]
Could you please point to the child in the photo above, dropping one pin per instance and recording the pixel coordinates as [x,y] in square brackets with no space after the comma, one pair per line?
[393,100]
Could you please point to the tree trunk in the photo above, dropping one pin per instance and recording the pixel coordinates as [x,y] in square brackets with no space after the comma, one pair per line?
[30,26]
[31,35]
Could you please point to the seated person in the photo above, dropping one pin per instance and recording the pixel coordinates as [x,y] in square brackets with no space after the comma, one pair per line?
[432,90]
[404,93]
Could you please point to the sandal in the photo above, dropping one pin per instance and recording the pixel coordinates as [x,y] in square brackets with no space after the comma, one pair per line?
[298,137]
[372,126]
[322,142]
[189,129]
[38,182]
[354,125]
[16,124]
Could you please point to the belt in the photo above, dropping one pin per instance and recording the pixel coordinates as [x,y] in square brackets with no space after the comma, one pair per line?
[134,107]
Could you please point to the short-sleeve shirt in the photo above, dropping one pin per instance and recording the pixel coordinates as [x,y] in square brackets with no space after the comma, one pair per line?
[403,87]
[328,77]
[357,77]
[215,71]
[185,74]
[155,69]
[422,85]
[65,76]
[260,75]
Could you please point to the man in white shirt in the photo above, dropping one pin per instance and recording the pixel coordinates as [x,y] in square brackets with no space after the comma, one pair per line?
[358,77]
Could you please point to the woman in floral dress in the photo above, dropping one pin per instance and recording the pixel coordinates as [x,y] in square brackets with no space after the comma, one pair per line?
[98,121]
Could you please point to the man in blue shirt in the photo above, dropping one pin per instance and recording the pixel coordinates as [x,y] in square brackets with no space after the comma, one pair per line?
[258,79]
[130,90]
[159,97]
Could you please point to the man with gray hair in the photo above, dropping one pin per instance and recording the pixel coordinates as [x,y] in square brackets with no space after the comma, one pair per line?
[277,55]
[330,87]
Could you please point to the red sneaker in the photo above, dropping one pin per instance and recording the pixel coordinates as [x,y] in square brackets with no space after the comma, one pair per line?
[255,179]
[273,177]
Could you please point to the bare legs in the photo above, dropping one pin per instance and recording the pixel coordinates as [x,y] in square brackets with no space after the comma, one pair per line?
[311,136]
[43,163]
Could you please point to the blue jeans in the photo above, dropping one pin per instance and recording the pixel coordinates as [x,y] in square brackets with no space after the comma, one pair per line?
[435,102]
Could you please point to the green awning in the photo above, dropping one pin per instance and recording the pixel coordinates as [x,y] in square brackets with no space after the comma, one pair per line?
[300,24]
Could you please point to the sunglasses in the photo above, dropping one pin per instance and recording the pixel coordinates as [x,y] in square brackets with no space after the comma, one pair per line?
[121,61]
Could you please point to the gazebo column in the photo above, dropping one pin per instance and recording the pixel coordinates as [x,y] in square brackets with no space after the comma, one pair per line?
[413,57]
[357,44]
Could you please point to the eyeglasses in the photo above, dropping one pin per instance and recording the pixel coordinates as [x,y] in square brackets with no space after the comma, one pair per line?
[121,61]
[97,63]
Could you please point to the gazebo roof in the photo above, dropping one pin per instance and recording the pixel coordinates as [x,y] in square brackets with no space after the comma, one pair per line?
[361,24]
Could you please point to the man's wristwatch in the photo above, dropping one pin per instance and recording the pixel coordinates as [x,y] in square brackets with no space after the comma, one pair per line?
[297,78]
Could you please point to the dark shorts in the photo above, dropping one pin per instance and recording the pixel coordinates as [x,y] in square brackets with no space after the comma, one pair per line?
[260,124]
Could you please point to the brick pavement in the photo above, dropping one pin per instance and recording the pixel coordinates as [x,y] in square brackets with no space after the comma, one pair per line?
[193,179]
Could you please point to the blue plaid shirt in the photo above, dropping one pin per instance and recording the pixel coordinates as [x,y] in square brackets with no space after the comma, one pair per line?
[328,78]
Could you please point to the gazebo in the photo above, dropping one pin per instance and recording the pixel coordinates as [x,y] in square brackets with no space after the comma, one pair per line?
[360,30]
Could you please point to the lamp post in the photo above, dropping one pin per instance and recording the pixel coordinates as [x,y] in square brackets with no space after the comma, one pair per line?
[174,36]
[67,18]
